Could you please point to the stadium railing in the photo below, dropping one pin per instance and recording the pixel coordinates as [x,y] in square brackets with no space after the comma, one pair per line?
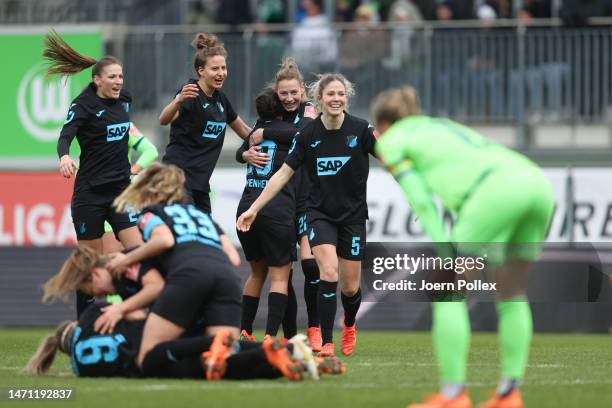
[495,74]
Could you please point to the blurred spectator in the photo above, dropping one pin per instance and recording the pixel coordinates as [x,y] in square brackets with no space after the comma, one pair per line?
[345,10]
[427,8]
[535,9]
[576,13]
[313,42]
[401,12]
[404,11]
[487,11]
[444,10]
[364,32]
[199,14]
[234,12]
[271,11]
[381,7]
[463,9]
[502,8]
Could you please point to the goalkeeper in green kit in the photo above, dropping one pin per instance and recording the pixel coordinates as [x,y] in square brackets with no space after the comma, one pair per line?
[502,201]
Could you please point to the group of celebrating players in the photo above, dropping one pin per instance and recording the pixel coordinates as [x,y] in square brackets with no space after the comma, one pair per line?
[307,169]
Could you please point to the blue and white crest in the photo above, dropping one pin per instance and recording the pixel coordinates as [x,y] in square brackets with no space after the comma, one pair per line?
[220,107]
[126,106]
[352,141]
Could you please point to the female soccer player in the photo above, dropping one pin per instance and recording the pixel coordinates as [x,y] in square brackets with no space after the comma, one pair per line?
[148,154]
[270,245]
[86,270]
[500,197]
[198,115]
[334,148]
[93,354]
[200,282]
[100,119]
[289,85]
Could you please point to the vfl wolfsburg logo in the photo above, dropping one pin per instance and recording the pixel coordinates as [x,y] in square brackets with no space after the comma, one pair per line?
[42,102]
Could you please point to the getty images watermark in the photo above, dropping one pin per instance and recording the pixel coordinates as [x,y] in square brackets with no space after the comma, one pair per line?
[397,273]
[404,264]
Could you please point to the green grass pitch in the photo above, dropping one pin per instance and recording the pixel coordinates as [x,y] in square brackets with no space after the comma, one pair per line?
[388,369]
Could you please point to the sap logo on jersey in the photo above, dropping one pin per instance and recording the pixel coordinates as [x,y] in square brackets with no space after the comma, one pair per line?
[212,130]
[329,166]
[117,131]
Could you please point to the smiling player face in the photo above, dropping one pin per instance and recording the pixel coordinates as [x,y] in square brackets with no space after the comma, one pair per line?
[333,99]
[290,93]
[213,74]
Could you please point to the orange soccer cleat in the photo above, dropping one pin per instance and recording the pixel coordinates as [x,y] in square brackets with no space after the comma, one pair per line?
[440,401]
[349,337]
[245,336]
[327,350]
[278,356]
[314,338]
[512,400]
[330,365]
[213,360]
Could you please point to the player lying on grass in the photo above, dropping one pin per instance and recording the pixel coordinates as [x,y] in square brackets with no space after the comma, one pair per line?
[139,286]
[86,270]
[113,355]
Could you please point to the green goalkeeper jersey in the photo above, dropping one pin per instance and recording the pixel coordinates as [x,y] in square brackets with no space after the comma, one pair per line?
[438,156]
[450,157]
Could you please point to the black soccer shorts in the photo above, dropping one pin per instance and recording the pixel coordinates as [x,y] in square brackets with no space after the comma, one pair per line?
[207,291]
[349,240]
[267,239]
[91,206]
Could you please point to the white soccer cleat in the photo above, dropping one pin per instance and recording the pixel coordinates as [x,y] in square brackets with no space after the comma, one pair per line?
[302,352]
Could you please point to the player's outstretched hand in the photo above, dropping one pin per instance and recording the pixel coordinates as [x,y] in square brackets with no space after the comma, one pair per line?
[254,157]
[245,220]
[189,91]
[117,265]
[67,167]
[108,320]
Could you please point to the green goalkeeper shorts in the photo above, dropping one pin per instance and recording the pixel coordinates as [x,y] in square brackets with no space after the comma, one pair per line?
[507,215]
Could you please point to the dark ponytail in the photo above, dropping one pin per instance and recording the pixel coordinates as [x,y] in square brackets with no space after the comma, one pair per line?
[64,60]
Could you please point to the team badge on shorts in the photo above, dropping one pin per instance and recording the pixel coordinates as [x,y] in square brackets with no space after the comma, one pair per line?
[352,141]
